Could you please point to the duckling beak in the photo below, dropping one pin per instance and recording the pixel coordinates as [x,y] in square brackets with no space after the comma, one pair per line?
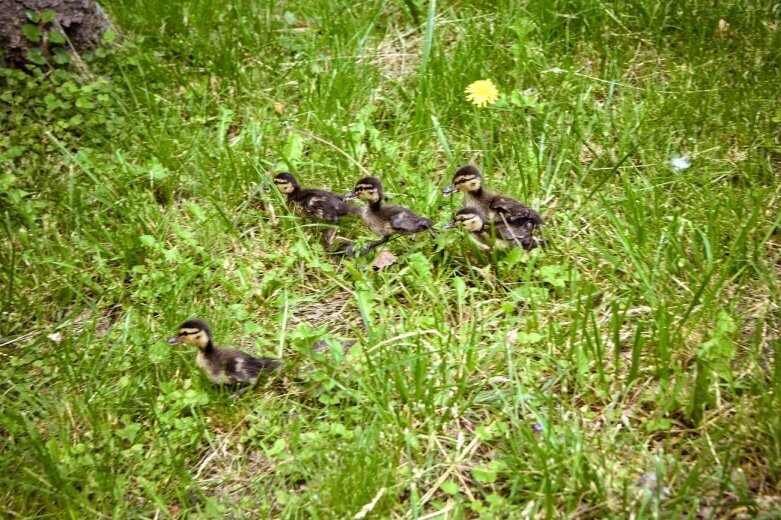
[266,186]
[174,341]
[448,190]
[449,225]
[350,195]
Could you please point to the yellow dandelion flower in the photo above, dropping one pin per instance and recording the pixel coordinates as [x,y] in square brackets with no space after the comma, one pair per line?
[482,93]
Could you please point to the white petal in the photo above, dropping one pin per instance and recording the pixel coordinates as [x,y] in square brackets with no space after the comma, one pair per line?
[681,163]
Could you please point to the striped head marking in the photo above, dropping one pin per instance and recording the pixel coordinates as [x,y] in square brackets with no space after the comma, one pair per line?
[368,189]
[285,182]
[195,333]
[467,179]
[469,219]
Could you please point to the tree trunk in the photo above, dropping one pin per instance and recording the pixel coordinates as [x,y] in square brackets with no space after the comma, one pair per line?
[82,22]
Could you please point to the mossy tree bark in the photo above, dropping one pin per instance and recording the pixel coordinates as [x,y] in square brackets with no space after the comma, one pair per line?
[81,22]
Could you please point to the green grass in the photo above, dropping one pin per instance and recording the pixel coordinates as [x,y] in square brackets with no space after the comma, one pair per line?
[631,368]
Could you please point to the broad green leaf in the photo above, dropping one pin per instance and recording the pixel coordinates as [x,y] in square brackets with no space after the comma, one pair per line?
[56,37]
[450,487]
[529,337]
[31,32]
[46,16]
[294,147]
[129,432]
[484,475]
[251,327]
[159,353]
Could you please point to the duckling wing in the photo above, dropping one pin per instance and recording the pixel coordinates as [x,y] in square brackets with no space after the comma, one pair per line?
[403,220]
[514,211]
[243,368]
[326,205]
[522,234]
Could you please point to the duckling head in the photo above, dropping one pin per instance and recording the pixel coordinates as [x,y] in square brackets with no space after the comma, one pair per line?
[285,182]
[195,333]
[471,219]
[368,189]
[467,178]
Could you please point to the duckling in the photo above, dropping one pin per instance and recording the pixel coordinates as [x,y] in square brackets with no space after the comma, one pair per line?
[318,204]
[385,220]
[222,366]
[497,208]
[494,233]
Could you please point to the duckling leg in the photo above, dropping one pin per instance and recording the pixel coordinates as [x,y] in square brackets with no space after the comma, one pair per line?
[375,244]
[243,391]
[349,251]
[329,236]
[515,238]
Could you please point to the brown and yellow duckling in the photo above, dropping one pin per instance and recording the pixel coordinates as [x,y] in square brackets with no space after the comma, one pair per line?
[498,208]
[222,366]
[313,203]
[385,221]
[494,234]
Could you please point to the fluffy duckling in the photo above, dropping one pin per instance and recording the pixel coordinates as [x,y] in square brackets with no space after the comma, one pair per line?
[386,220]
[312,203]
[222,366]
[497,208]
[494,233]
